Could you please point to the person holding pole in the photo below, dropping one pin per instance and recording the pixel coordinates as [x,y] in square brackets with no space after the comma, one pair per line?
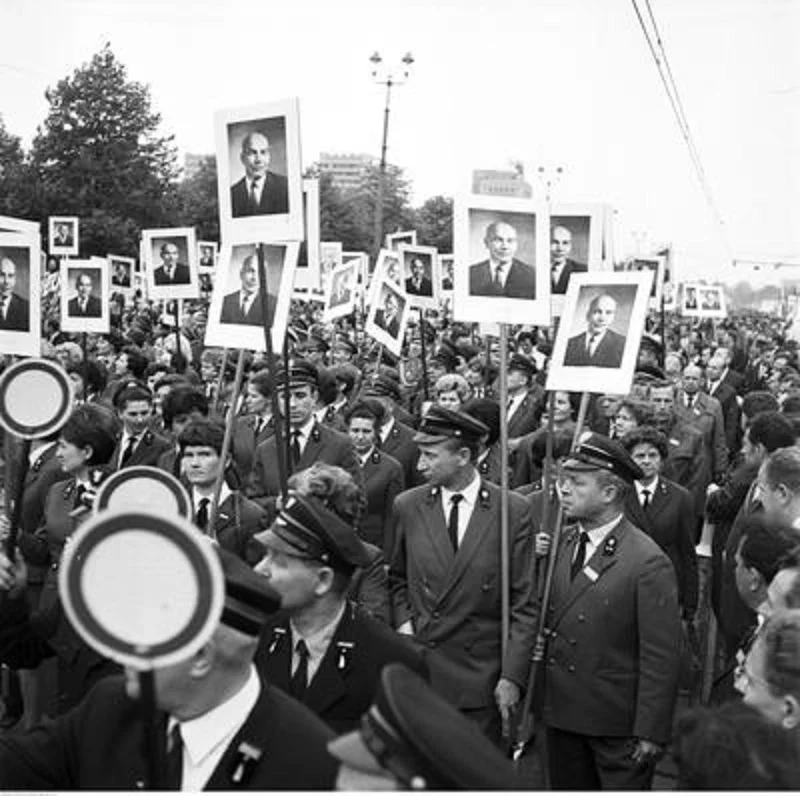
[614,632]
[444,573]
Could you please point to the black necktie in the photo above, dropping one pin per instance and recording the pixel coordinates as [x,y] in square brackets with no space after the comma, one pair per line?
[173,770]
[452,522]
[592,340]
[259,426]
[689,400]
[295,447]
[80,491]
[645,498]
[299,681]
[254,196]
[580,555]
[201,518]
[128,452]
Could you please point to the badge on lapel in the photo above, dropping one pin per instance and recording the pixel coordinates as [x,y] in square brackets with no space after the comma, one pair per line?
[345,649]
[278,635]
[246,758]
[610,547]
[483,497]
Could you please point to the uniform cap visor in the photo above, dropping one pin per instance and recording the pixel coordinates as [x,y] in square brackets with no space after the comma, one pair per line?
[351,750]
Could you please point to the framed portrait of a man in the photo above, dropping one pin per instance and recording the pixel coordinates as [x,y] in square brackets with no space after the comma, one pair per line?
[703,301]
[656,265]
[20,294]
[307,274]
[340,297]
[236,317]
[420,274]
[121,270]
[407,238]
[170,260]
[388,314]
[62,236]
[389,266]
[446,268]
[259,172]
[207,254]
[360,260]
[84,296]
[600,330]
[502,272]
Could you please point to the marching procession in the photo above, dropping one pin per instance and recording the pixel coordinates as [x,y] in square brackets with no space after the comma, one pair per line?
[479,505]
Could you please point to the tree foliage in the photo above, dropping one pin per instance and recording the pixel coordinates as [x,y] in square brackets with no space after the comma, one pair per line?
[434,223]
[98,155]
[197,200]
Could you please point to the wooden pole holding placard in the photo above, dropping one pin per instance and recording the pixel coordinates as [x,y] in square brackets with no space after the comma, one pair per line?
[21,471]
[155,732]
[85,368]
[226,444]
[423,351]
[285,418]
[505,568]
[177,327]
[218,388]
[271,368]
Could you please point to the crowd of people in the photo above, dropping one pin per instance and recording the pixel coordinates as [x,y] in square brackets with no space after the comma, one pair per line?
[379,630]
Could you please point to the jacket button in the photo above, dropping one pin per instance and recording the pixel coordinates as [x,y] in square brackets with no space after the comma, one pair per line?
[581,618]
[551,661]
[436,614]
[573,642]
[570,668]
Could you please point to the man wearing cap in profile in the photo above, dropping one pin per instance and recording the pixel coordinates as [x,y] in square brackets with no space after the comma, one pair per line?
[614,633]
[320,649]
[524,398]
[443,545]
[226,728]
[412,739]
[309,441]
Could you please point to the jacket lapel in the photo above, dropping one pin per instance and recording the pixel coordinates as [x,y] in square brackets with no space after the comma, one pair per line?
[435,525]
[312,449]
[328,684]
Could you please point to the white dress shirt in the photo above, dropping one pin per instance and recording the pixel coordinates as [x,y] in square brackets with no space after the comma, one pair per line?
[305,433]
[317,643]
[651,489]
[596,536]
[206,737]
[514,403]
[465,506]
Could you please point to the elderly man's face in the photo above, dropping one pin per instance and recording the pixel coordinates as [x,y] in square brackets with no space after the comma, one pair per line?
[255,155]
[417,269]
[8,277]
[249,275]
[502,243]
[560,245]
[390,305]
[601,314]
[169,255]
[692,379]
[84,286]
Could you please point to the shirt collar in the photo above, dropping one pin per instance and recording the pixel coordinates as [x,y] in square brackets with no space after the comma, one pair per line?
[365,457]
[596,535]
[36,455]
[387,429]
[203,734]
[318,641]
[198,494]
[469,492]
[640,487]
[305,429]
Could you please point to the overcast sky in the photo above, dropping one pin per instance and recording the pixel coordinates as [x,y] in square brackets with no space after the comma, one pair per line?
[547,82]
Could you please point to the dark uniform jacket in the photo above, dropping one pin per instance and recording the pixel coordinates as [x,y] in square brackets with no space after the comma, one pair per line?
[490,467]
[344,686]
[614,640]
[705,414]
[101,746]
[400,445]
[383,482]
[237,521]
[667,521]
[453,598]
[687,463]
[526,416]
[146,453]
[245,441]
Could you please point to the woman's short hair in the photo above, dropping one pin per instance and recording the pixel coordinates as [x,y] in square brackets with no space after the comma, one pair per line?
[94,426]
[453,382]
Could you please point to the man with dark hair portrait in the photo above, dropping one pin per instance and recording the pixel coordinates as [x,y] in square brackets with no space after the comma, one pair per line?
[85,304]
[691,299]
[261,191]
[388,317]
[63,235]
[561,265]
[171,272]
[244,305]
[14,310]
[418,283]
[599,346]
[120,274]
[502,274]
[207,256]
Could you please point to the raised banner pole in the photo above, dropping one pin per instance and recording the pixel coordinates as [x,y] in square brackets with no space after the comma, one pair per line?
[423,351]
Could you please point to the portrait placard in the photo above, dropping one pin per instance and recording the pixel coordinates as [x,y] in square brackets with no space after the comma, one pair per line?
[389,265]
[703,301]
[207,251]
[420,274]
[361,259]
[446,268]
[409,238]
[307,275]
[84,296]
[656,265]
[62,236]
[600,331]
[20,294]
[340,298]
[503,271]
[259,172]
[170,261]
[389,309]
[121,270]
[235,318]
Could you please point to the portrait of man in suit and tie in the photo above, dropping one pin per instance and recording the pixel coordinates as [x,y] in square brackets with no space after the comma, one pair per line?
[342,292]
[418,270]
[599,346]
[171,271]
[562,266]
[64,235]
[14,309]
[389,315]
[84,304]
[260,191]
[502,275]
[243,306]
[120,273]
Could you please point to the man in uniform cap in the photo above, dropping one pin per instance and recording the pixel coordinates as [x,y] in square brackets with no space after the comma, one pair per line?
[319,648]
[524,398]
[614,632]
[309,440]
[227,729]
[412,739]
[444,551]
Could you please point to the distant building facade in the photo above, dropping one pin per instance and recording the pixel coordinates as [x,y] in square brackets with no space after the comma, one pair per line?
[493,182]
[346,170]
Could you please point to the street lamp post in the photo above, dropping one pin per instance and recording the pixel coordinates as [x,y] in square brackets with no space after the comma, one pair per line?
[388,79]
